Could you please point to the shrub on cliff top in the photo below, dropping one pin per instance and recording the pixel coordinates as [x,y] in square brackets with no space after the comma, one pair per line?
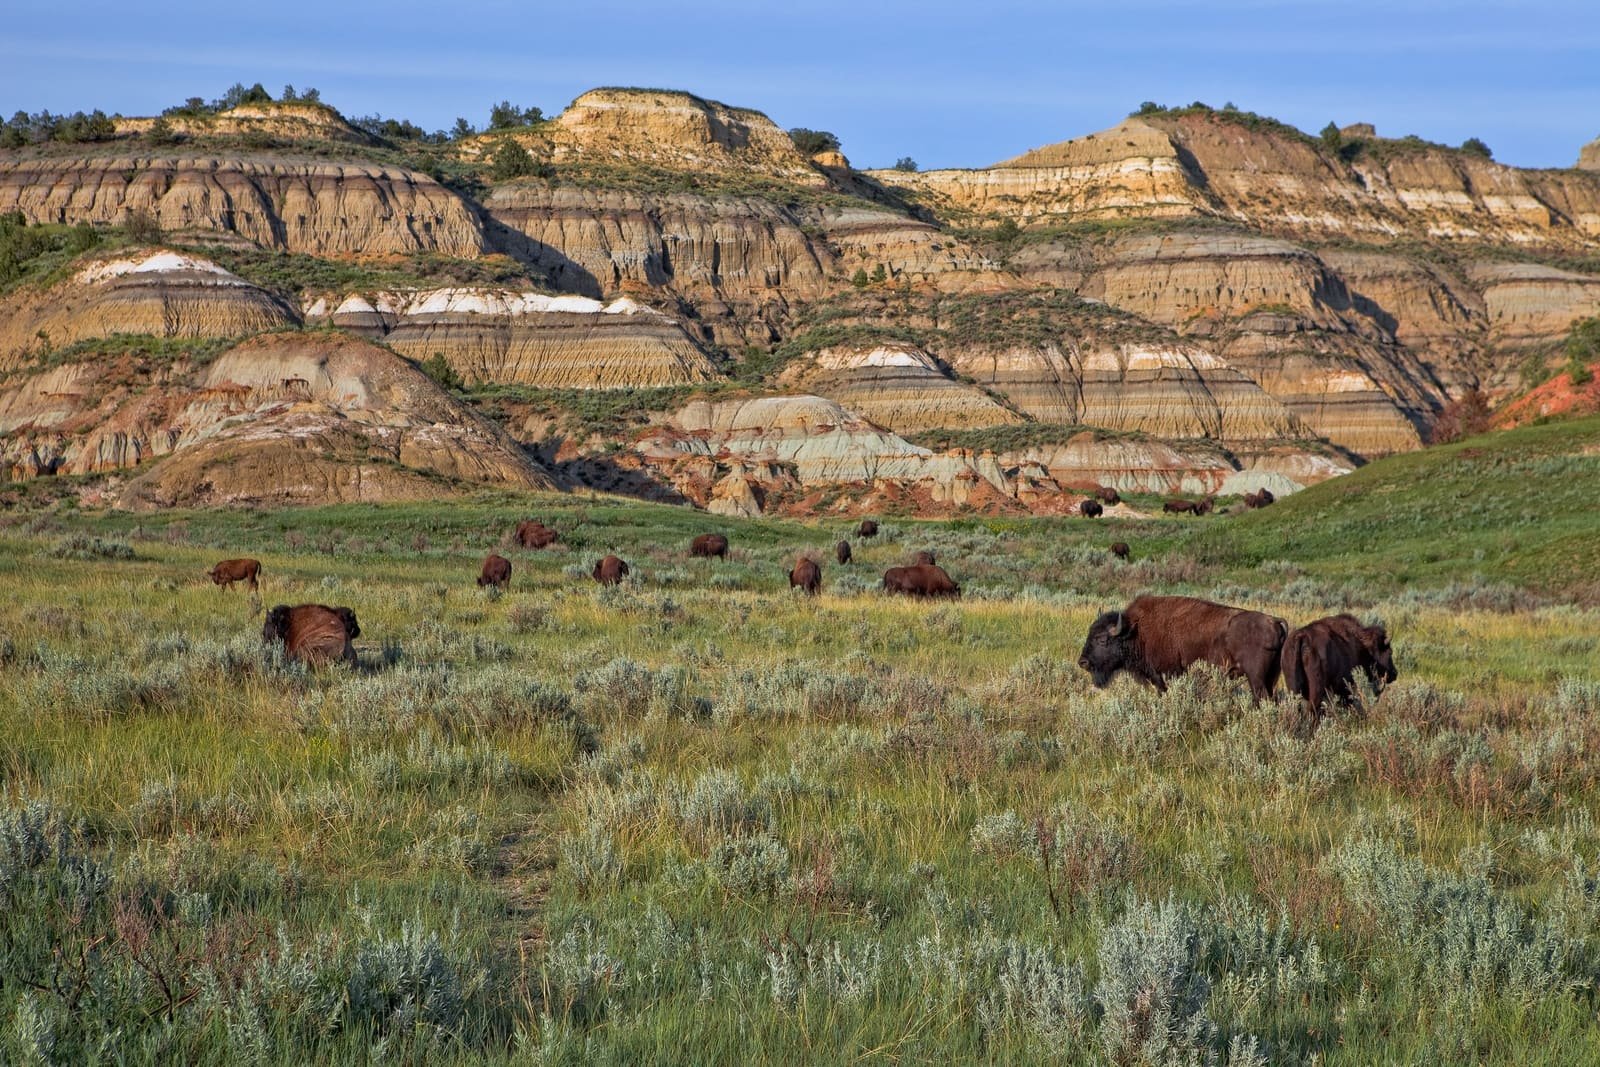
[810,142]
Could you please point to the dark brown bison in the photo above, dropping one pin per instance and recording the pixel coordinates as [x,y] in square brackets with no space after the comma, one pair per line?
[313,633]
[610,571]
[841,552]
[807,576]
[1321,658]
[920,580]
[235,570]
[530,534]
[1188,507]
[868,528]
[1091,509]
[1260,498]
[708,545]
[1108,495]
[1158,637]
[924,556]
[496,572]
[1119,549]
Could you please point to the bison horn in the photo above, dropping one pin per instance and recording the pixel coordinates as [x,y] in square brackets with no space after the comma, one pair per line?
[1116,628]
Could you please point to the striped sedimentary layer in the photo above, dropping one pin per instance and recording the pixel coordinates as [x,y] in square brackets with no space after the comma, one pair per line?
[897,386]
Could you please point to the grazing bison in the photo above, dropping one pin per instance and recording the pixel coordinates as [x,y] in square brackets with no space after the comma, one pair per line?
[1108,495]
[1188,507]
[1321,658]
[1158,637]
[841,552]
[1091,509]
[313,633]
[1119,549]
[496,572]
[924,556]
[708,545]
[235,570]
[610,571]
[530,534]
[807,576]
[1260,498]
[868,528]
[920,580]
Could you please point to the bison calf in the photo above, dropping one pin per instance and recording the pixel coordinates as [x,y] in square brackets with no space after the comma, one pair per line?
[1159,637]
[530,534]
[920,580]
[496,572]
[841,552]
[1188,507]
[806,576]
[610,571]
[1108,495]
[1091,509]
[868,528]
[313,633]
[235,570]
[1321,658]
[709,545]
[1119,549]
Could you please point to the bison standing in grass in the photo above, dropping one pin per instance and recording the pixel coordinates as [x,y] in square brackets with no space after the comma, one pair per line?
[924,556]
[235,570]
[1260,498]
[1108,495]
[496,572]
[920,580]
[313,633]
[841,552]
[806,576]
[1159,637]
[707,546]
[1119,549]
[610,571]
[1091,509]
[1321,658]
[530,534]
[868,528]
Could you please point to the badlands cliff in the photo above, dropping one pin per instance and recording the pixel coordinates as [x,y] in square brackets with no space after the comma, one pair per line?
[1190,299]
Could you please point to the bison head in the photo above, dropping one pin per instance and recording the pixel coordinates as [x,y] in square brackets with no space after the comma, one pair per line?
[276,628]
[348,617]
[1108,647]
[1379,657]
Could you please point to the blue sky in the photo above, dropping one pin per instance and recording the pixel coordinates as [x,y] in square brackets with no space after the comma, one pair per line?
[950,84]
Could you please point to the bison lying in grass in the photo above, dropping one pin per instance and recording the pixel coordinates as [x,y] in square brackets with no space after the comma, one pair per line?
[313,633]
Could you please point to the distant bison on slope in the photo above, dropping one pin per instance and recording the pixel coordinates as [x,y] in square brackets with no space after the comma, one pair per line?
[1260,498]
[920,580]
[806,576]
[708,545]
[610,571]
[496,572]
[868,528]
[841,552]
[1188,507]
[1091,509]
[313,633]
[530,534]
[1159,637]
[1321,658]
[235,570]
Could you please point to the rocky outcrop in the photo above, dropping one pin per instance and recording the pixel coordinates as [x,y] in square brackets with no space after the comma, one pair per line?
[1530,305]
[1267,176]
[1558,398]
[528,338]
[1589,156]
[662,129]
[897,386]
[278,121]
[282,418]
[322,209]
[149,292]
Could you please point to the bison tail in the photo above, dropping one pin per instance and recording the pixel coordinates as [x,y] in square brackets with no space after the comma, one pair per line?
[1294,672]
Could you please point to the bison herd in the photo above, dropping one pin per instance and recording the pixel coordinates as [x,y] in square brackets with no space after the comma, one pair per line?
[1153,638]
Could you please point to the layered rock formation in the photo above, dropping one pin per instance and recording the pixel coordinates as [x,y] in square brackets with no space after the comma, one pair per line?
[279,121]
[897,386]
[322,209]
[282,418]
[528,338]
[1529,304]
[661,128]
[148,292]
